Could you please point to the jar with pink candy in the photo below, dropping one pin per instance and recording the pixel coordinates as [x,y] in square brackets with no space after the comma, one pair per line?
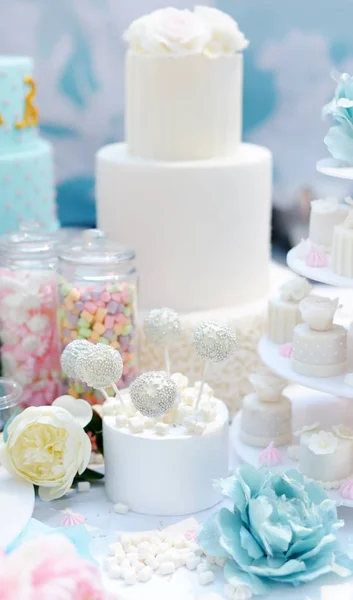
[97,283]
[30,347]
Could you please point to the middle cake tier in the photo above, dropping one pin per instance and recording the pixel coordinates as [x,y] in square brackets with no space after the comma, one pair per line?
[201,229]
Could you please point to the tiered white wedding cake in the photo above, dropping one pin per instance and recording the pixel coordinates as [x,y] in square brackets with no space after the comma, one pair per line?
[193,200]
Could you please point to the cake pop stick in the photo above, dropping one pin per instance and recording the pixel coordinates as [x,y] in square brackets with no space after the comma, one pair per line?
[214,342]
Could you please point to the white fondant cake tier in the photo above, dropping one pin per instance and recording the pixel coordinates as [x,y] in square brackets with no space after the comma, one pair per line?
[266,422]
[185,108]
[229,379]
[201,229]
[323,219]
[282,317]
[319,353]
[342,251]
[170,474]
[326,466]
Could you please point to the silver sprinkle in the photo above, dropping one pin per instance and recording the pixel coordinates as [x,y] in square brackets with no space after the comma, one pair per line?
[153,393]
[162,326]
[70,355]
[214,341]
[101,367]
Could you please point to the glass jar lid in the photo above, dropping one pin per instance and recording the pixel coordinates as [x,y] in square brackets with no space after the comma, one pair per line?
[29,243]
[10,393]
[93,247]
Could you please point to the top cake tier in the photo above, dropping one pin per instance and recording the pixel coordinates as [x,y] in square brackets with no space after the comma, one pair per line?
[184,74]
[18,111]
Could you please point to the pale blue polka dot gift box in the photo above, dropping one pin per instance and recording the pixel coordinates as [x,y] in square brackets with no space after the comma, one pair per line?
[27,191]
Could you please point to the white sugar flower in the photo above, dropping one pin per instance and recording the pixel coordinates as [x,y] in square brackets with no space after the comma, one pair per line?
[318,311]
[295,289]
[346,433]
[307,429]
[226,37]
[268,386]
[168,32]
[323,442]
[325,205]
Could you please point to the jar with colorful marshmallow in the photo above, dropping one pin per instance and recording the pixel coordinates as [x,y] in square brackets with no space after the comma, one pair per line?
[28,314]
[98,290]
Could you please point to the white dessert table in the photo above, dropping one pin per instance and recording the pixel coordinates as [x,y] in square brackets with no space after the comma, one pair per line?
[104,525]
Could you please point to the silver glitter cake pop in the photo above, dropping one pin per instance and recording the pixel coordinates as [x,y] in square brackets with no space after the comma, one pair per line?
[101,367]
[70,355]
[162,326]
[153,393]
[214,341]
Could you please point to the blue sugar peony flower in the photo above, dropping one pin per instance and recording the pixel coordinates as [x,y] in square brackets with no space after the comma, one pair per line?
[280,530]
[339,139]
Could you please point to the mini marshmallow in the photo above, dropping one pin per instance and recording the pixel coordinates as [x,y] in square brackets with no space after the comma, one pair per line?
[149,422]
[152,562]
[132,549]
[116,548]
[125,540]
[220,561]
[136,424]
[83,486]
[121,509]
[132,558]
[125,564]
[203,566]
[114,571]
[206,577]
[144,549]
[195,548]
[192,562]
[189,424]
[166,568]
[199,428]
[139,565]
[161,428]
[144,574]
[107,562]
[129,576]
[120,421]
[189,396]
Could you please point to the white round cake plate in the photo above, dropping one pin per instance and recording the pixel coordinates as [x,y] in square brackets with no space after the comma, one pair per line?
[308,407]
[320,274]
[334,168]
[270,355]
[16,507]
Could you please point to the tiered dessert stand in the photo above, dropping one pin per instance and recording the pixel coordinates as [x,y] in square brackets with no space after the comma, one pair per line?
[327,400]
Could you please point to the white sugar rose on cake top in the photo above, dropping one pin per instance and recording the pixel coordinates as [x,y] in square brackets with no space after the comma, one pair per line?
[161,424]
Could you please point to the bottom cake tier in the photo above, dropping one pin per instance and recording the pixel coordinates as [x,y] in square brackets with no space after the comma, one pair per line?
[27,188]
[230,379]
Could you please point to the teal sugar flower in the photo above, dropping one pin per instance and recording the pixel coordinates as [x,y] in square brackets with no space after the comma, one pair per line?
[339,139]
[281,529]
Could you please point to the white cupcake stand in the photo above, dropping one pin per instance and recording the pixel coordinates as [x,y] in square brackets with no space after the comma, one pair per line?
[326,400]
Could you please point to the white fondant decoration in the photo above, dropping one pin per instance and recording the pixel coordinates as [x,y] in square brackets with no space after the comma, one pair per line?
[318,311]
[343,432]
[323,442]
[171,474]
[307,429]
[267,385]
[295,289]
[78,408]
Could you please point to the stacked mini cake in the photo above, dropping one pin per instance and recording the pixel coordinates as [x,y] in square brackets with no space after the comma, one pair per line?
[266,413]
[283,311]
[319,346]
[325,215]
[326,456]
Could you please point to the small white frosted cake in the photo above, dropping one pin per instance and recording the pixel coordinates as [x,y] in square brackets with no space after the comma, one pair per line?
[319,347]
[324,216]
[283,311]
[266,415]
[342,248]
[166,466]
[327,456]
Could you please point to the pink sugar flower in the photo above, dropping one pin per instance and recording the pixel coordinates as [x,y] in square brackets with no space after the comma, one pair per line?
[270,457]
[49,568]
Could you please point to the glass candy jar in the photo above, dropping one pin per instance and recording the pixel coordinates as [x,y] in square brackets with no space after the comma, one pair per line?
[10,398]
[98,301]
[30,348]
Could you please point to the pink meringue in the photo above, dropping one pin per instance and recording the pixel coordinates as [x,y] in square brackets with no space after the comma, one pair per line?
[270,457]
[286,350]
[316,257]
[346,489]
[69,519]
